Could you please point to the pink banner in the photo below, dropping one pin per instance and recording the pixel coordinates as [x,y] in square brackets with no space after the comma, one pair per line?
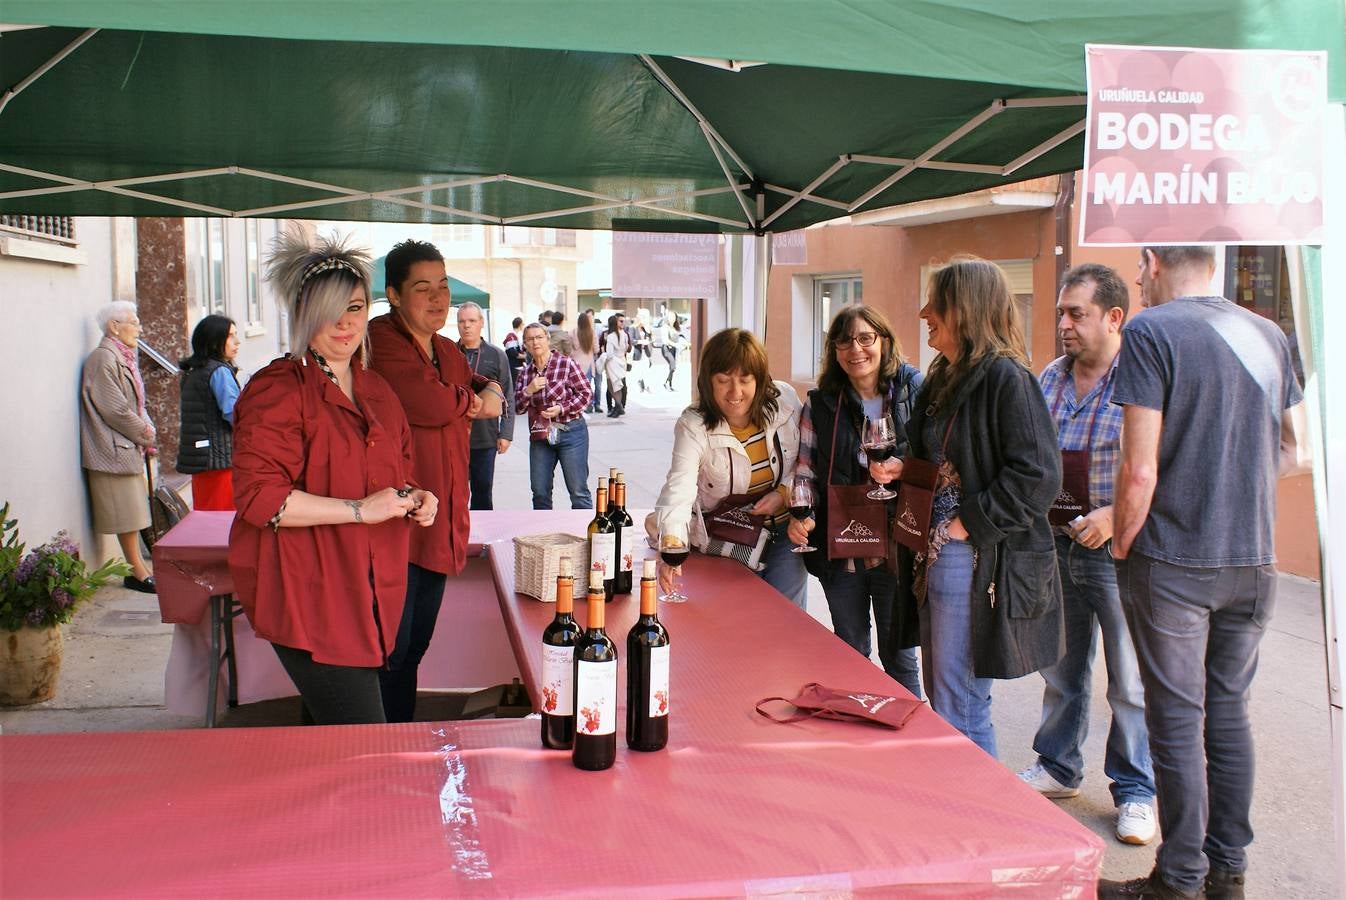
[654,265]
[1191,146]
[788,249]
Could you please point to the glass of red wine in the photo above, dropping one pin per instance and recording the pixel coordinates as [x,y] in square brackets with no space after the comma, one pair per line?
[801,506]
[879,444]
[673,551]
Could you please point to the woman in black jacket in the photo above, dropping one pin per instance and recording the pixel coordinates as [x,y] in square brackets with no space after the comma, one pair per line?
[862,375]
[209,390]
[987,584]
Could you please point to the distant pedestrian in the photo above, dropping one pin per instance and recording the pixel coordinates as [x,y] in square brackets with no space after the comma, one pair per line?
[513,345]
[554,393]
[1211,415]
[1078,388]
[584,351]
[490,436]
[675,340]
[206,413]
[616,348]
[558,335]
[546,318]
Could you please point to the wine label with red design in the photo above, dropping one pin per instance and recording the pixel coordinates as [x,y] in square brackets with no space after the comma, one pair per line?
[603,551]
[658,681]
[596,697]
[558,680]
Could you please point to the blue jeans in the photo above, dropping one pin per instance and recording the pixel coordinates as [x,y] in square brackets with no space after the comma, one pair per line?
[1197,633]
[784,568]
[397,680]
[481,476]
[596,382]
[1092,604]
[961,699]
[572,451]
[850,595]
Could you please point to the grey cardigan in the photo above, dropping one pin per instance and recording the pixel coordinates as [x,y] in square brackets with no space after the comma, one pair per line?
[111,430]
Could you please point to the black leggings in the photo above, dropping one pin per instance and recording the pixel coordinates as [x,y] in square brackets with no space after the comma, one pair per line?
[333,695]
[670,357]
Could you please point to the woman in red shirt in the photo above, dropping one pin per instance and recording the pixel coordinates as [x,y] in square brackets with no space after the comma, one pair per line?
[322,482]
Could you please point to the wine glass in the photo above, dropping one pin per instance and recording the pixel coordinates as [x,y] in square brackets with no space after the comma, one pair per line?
[801,506]
[673,550]
[879,442]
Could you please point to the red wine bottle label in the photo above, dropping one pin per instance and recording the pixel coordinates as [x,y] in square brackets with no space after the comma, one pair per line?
[558,680]
[658,681]
[596,697]
[628,556]
[603,552]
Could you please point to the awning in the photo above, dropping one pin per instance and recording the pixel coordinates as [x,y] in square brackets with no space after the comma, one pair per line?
[460,291]
[571,114]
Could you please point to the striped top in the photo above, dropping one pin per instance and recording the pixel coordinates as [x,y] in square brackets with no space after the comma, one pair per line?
[755,445]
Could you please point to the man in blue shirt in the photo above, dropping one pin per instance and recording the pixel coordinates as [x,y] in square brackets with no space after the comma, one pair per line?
[1212,414]
[1078,388]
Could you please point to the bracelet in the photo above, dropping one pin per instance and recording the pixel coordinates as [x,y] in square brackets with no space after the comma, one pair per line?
[496,391]
[355,508]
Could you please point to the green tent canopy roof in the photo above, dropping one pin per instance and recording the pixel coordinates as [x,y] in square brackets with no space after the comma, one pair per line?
[460,291]
[569,114]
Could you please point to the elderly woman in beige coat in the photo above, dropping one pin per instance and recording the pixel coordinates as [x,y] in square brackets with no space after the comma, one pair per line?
[115,431]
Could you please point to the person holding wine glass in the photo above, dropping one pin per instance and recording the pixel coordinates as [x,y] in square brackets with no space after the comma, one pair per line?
[738,440]
[865,393]
[987,584]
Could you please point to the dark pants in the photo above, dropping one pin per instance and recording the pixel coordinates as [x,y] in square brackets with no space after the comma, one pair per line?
[850,596]
[425,591]
[1197,633]
[481,476]
[670,357]
[333,695]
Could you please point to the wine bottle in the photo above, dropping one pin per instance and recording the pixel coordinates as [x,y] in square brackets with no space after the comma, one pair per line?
[595,687]
[624,528]
[558,666]
[647,672]
[602,541]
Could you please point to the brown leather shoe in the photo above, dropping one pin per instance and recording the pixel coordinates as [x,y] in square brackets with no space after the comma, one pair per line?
[1151,887]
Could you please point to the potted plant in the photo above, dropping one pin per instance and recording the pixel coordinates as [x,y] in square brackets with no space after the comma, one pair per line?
[39,590]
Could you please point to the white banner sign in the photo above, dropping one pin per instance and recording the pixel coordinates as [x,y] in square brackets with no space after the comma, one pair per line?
[652,265]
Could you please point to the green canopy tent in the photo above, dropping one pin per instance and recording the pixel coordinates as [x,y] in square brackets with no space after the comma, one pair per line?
[740,116]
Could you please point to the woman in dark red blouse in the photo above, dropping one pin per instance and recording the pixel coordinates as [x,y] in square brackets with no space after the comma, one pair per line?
[323,485]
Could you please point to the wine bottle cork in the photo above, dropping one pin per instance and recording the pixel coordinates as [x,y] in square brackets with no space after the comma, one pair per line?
[648,571]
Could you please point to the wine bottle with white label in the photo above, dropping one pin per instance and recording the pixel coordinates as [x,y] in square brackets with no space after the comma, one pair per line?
[647,672]
[623,527]
[595,687]
[558,666]
[603,541]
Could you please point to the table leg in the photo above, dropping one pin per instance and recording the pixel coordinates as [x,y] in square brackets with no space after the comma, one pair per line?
[213,677]
[234,610]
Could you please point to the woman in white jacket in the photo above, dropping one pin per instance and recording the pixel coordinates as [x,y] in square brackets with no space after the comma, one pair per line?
[740,437]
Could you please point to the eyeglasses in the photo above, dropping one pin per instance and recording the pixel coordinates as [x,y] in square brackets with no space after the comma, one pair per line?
[864,339]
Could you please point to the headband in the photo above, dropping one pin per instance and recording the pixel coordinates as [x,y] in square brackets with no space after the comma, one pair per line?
[327,265]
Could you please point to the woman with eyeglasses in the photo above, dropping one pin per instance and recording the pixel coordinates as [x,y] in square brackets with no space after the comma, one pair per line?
[863,377]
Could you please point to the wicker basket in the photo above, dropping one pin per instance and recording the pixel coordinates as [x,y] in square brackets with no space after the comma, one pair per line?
[537,562]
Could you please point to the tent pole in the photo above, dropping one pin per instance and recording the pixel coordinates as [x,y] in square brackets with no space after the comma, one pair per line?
[808,189]
[823,201]
[41,70]
[1051,143]
[729,176]
[673,89]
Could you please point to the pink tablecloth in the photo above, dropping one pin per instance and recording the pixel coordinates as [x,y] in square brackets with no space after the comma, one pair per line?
[736,805]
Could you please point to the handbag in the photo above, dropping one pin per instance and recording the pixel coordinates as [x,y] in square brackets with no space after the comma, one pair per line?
[857,527]
[814,701]
[916,499]
[733,530]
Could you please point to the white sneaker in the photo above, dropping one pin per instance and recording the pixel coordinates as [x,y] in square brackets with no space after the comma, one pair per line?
[1042,781]
[1135,823]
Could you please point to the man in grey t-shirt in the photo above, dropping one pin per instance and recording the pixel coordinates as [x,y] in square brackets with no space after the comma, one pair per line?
[490,437]
[1211,416]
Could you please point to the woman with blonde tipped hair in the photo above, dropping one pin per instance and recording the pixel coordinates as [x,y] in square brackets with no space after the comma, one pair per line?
[322,483]
[986,584]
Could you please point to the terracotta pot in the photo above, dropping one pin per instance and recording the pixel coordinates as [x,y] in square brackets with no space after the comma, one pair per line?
[30,664]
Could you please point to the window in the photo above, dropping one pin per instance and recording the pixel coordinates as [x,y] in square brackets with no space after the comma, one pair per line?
[830,294]
[212,267]
[462,234]
[523,236]
[252,239]
[1258,279]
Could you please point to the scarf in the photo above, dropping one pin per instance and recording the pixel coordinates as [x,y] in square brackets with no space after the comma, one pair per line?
[132,360]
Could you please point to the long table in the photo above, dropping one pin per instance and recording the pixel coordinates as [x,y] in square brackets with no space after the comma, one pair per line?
[736,806]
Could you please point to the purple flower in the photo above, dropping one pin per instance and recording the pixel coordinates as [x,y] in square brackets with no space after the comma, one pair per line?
[34,617]
[27,566]
[62,597]
[64,544]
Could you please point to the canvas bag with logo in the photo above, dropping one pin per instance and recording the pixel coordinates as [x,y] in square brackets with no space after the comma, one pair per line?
[857,527]
[816,701]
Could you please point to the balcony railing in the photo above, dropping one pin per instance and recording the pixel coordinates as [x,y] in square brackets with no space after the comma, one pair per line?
[58,229]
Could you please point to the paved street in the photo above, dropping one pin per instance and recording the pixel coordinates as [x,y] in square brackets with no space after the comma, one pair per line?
[116,649]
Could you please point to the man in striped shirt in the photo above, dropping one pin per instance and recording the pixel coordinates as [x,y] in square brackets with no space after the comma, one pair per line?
[1078,387]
